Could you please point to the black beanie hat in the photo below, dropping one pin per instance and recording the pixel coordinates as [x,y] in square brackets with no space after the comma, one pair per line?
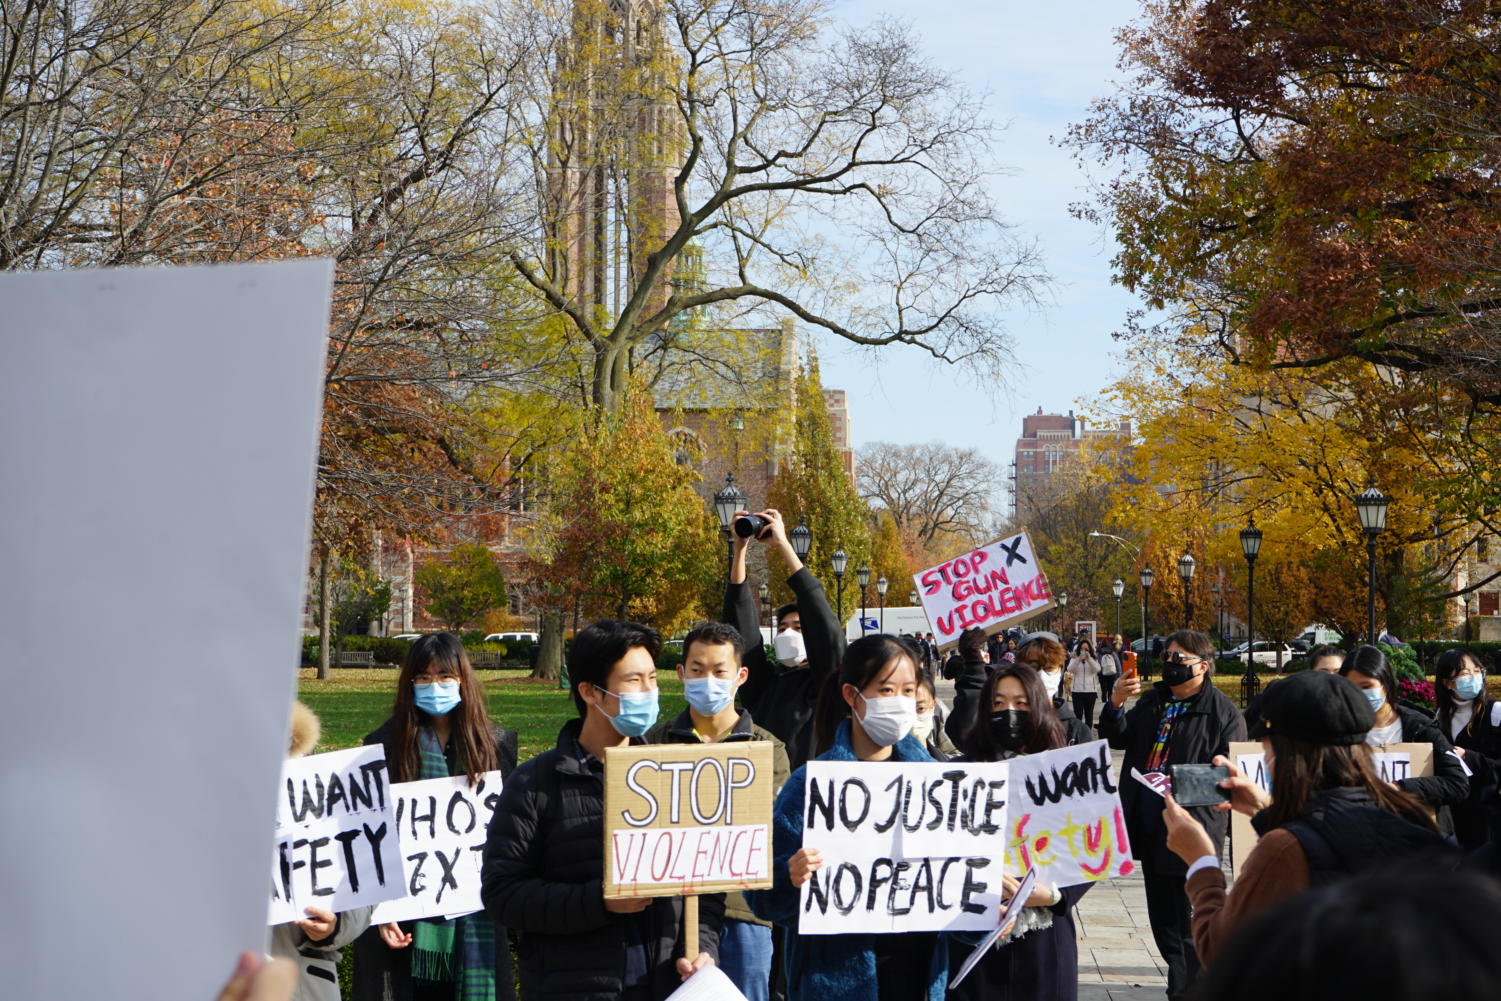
[1316,707]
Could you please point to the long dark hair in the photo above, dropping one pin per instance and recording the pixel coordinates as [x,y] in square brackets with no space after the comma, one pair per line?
[866,659]
[1301,769]
[1448,665]
[1044,729]
[1371,662]
[472,732]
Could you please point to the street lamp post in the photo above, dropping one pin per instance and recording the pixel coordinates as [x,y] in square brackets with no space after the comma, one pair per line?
[839,561]
[1146,578]
[765,593]
[882,584]
[1063,616]
[801,538]
[1118,588]
[1371,505]
[727,501]
[1250,545]
[912,598]
[862,577]
[1186,567]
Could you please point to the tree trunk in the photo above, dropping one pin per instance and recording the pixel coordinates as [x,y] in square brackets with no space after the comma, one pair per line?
[611,370]
[550,656]
[325,614]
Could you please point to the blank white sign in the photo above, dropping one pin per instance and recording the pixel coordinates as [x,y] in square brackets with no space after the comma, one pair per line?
[158,441]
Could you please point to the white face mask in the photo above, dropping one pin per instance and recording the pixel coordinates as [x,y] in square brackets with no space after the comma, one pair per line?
[888,720]
[923,728]
[789,648]
[1050,681]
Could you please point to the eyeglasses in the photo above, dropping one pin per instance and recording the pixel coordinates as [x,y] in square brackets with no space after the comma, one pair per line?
[1187,659]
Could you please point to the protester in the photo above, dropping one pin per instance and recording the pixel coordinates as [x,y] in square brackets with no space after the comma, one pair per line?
[712,672]
[438,728]
[1367,668]
[543,870]
[1110,664]
[969,679]
[1008,654]
[316,942]
[1040,956]
[865,713]
[1084,681]
[1329,814]
[1472,720]
[1183,719]
[808,643]
[931,720]
[1409,934]
[1044,654]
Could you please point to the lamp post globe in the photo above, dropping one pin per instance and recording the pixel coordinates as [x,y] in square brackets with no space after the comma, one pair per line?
[1186,567]
[839,561]
[729,499]
[882,584]
[1371,505]
[801,538]
[1146,578]
[1118,588]
[862,577]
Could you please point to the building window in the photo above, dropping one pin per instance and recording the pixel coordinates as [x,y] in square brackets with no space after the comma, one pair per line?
[1490,602]
[1483,549]
[1054,456]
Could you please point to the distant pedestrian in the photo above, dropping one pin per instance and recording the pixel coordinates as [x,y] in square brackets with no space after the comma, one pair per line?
[1110,664]
[1084,680]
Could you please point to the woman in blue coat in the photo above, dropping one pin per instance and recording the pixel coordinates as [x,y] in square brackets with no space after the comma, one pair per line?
[865,713]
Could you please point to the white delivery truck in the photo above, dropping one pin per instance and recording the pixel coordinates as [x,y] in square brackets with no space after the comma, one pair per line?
[904,619]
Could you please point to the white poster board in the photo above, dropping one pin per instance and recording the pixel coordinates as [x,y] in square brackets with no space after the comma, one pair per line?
[990,588]
[336,843]
[158,441]
[906,846]
[441,824]
[1066,819]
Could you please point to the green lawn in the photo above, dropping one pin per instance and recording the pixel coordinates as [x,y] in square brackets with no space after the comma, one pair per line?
[356,700]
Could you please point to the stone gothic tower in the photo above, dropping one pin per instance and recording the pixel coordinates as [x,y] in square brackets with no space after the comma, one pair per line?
[615,148]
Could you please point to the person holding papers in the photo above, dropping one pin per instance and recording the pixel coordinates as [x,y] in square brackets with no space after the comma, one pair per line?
[438,728]
[1470,718]
[712,673]
[1039,958]
[544,862]
[865,713]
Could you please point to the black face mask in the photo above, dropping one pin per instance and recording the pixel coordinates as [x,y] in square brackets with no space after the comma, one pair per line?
[1177,673]
[1009,728]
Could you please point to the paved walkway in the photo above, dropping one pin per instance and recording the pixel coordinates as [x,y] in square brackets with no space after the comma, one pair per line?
[1118,961]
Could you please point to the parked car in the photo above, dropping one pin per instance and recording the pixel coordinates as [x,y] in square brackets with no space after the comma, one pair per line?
[1267,652]
[511,638]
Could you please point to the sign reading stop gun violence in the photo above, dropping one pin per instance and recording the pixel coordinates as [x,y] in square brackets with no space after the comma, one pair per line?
[336,841]
[906,846]
[1393,762]
[441,824]
[989,588]
[687,819]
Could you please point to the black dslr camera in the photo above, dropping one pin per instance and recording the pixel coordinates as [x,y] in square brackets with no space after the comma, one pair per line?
[751,526]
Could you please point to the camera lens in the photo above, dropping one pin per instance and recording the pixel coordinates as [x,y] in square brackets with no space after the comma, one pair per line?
[750,526]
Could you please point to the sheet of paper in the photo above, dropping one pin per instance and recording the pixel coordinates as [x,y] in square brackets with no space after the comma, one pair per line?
[1461,759]
[158,441]
[1013,908]
[708,984]
[1159,783]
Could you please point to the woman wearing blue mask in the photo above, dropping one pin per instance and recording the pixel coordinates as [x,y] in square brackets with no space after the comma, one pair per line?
[1367,668]
[438,728]
[1467,716]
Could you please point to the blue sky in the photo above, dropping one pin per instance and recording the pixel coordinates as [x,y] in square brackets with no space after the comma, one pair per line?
[1041,65]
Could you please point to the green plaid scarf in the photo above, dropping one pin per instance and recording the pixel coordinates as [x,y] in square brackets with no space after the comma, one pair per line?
[461,950]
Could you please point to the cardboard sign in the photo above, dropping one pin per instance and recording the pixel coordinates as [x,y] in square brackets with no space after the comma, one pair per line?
[1393,763]
[687,818]
[1066,817]
[159,438]
[907,846]
[441,825]
[336,840]
[990,588]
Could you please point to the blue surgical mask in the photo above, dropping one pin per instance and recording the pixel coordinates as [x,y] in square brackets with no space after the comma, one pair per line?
[437,699]
[638,711]
[1469,687]
[1375,696]
[709,696]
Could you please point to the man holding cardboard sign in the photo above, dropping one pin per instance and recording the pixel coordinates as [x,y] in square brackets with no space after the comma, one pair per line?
[544,868]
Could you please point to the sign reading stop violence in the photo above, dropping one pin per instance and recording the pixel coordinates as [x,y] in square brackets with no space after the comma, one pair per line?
[988,588]
[687,819]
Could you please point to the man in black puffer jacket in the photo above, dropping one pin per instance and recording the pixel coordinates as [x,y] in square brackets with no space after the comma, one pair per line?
[543,869]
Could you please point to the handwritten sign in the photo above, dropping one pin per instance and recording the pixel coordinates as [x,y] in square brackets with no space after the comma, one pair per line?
[441,826]
[1393,762]
[336,841]
[990,588]
[1066,817]
[687,818]
[906,846]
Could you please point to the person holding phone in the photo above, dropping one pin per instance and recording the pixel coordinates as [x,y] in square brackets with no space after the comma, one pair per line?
[1329,814]
[1084,680]
[1183,719]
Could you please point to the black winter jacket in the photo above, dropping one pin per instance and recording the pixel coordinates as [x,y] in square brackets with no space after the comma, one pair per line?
[782,699]
[543,876]
[1447,786]
[969,685]
[1343,832]
[1477,821]
[1205,729]
[385,974]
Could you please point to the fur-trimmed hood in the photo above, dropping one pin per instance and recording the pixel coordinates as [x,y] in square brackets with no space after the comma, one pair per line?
[305,731]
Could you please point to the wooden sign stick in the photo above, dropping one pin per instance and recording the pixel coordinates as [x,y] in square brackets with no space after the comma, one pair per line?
[690,928]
